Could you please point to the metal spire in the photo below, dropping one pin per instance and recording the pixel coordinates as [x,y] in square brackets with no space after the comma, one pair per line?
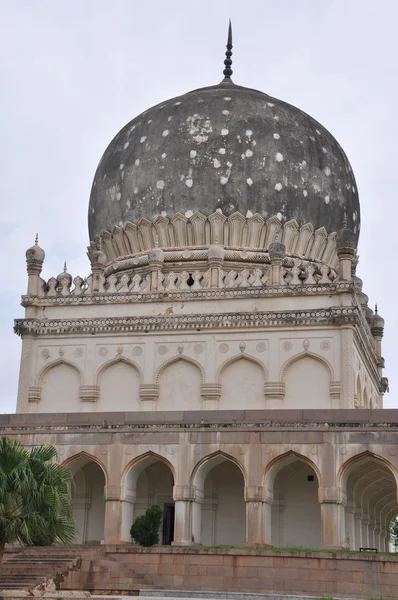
[376,310]
[37,239]
[65,267]
[228,61]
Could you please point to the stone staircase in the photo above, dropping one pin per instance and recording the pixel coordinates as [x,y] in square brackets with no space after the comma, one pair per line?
[24,568]
[101,572]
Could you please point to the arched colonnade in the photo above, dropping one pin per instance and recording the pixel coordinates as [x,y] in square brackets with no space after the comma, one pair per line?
[218,505]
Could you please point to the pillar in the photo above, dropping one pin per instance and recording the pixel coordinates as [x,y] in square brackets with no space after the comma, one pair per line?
[358,528]
[112,514]
[377,537]
[350,526]
[332,525]
[365,530]
[254,516]
[184,497]
[128,497]
[371,533]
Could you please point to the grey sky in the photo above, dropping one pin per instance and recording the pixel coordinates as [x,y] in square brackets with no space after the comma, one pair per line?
[73,72]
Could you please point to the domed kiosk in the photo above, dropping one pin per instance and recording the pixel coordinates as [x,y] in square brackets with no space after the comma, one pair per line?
[207,361]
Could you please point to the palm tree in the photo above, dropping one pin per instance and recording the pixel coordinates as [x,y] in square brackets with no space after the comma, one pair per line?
[35,496]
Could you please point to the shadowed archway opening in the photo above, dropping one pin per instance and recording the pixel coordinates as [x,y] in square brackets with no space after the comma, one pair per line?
[88,500]
[149,481]
[219,514]
[296,512]
[371,501]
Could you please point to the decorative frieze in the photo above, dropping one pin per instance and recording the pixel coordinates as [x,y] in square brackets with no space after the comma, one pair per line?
[116,296]
[288,318]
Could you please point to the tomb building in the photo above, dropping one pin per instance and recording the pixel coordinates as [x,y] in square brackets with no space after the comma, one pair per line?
[221,359]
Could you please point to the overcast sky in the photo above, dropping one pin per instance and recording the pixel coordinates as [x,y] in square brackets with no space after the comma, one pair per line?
[73,72]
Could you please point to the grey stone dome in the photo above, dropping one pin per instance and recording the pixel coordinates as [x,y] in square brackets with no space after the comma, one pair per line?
[225,148]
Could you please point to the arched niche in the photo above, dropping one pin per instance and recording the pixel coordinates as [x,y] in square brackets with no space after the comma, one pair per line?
[148,480]
[119,385]
[219,512]
[60,388]
[292,483]
[307,383]
[88,500]
[179,382]
[242,384]
[369,484]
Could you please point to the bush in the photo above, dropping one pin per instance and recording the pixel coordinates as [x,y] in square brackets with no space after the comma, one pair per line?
[145,529]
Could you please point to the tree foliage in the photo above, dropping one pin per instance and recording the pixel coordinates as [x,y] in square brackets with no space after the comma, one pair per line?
[394,533]
[35,496]
[145,529]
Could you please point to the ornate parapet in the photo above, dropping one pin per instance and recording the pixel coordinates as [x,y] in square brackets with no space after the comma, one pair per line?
[198,230]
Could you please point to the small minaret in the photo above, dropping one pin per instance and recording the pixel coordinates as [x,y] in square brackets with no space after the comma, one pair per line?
[345,245]
[34,264]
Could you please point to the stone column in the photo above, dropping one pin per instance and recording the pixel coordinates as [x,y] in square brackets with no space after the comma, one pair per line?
[184,496]
[350,526]
[332,525]
[128,497]
[256,516]
[197,506]
[113,514]
[371,533]
[332,517]
[377,537]
[365,530]
[358,528]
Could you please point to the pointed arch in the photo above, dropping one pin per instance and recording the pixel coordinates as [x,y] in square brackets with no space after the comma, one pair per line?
[306,354]
[176,359]
[56,363]
[277,464]
[114,361]
[238,357]
[83,458]
[213,460]
[144,461]
[349,466]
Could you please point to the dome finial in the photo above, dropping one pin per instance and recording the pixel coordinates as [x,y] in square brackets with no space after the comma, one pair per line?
[37,239]
[376,309]
[65,267]
[228,61]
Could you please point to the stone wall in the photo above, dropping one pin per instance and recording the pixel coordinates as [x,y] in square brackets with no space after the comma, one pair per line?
[318,574]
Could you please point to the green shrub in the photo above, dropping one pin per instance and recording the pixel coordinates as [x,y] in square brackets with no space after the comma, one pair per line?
[145,529]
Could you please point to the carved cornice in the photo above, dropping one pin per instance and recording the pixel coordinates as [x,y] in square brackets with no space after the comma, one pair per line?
[191,294]
[287,318]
